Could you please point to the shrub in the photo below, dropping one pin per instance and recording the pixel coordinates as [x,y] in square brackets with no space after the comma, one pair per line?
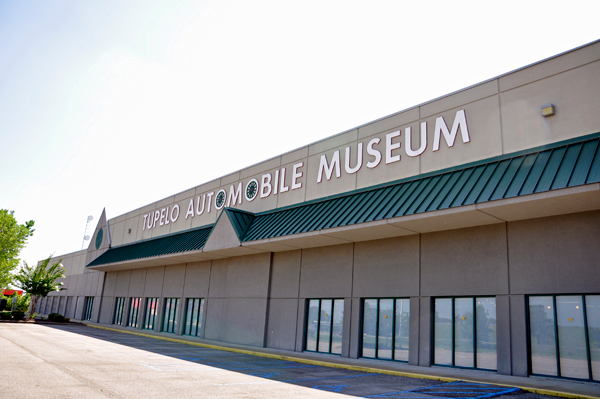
[18,315]
[5,315]
[57,317]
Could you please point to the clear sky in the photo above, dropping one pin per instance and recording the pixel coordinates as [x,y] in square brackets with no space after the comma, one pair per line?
[118,104]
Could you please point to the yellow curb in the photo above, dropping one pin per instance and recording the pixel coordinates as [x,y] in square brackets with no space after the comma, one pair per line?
[346,366]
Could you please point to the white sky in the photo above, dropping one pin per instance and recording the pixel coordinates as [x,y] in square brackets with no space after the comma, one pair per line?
[119,104]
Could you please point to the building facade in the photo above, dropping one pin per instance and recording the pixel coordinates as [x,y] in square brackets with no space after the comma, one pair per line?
[462,232]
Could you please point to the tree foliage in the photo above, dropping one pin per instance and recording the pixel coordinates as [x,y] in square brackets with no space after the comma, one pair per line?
[40,280]
[13,237]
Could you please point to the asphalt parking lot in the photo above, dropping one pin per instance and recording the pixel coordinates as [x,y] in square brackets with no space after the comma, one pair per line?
[76,361]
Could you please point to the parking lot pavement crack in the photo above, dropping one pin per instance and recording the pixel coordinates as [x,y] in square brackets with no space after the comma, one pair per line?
[102,390]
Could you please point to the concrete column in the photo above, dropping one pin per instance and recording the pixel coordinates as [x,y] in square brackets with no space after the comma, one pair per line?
[519,336]
[347,327]
[425,331]
[414,328]
[300,331]
[503,340]
[355,331]
[96,308]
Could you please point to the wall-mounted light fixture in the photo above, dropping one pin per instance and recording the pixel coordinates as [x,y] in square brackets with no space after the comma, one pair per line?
[128,231]
[547,110]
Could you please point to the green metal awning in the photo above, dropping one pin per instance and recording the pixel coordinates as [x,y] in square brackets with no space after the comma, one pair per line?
[240,220]
[189,240]
[565,164]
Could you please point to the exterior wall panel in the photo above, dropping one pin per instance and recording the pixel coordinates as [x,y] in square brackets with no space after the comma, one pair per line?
[555,255]
[281,327]
[215,309]
[248,276]
[137,282]
[218,278]
[470,261]
[106,309]
[153,284]
[197,278]
[327,272]
[386,268]
[285,274]
[122,283]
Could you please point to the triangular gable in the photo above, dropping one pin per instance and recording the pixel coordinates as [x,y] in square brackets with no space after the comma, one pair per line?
[229,230]
[240,220]
[100,241]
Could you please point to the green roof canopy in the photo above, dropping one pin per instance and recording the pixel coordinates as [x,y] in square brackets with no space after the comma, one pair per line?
[189,240]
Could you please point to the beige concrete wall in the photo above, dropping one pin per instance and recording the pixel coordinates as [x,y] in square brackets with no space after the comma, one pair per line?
[503,116]
[260,300]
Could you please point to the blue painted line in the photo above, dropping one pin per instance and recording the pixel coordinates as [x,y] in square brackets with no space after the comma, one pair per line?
[499,393]
[330,378]
[406,397]
[461,388]
[307,379]
[263,375]
[457,392]
[330,388]
[265,368]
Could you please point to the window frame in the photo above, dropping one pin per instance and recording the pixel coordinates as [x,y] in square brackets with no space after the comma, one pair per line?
[557,339]
[88,308]
[149,322]
[319,324]
[133,321]
[199,320]
[453,365]
[166,325]
[119,311]
[362,326]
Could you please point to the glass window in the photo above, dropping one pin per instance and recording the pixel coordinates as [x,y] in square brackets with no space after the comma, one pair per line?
[464,346]
[592,313]
[193,317]
[465,332]
[312,325]
[89,307]
[338,326]
[571,337]
[150,313]
[385,328]
[485,314]
[564,335]
[443,332]
[134,312]
[401,329]
[369,328]
[119,308]
[170,315]
[325,325]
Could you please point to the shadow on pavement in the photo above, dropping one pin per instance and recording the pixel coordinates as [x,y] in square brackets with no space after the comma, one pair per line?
[179,357]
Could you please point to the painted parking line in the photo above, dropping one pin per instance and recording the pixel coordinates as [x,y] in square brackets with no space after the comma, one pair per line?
[456,390]
[298,380]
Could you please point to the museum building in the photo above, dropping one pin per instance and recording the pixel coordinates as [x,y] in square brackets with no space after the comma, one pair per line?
[462,232]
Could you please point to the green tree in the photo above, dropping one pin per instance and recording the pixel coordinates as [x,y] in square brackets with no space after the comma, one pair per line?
[13,237]
[40,280]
